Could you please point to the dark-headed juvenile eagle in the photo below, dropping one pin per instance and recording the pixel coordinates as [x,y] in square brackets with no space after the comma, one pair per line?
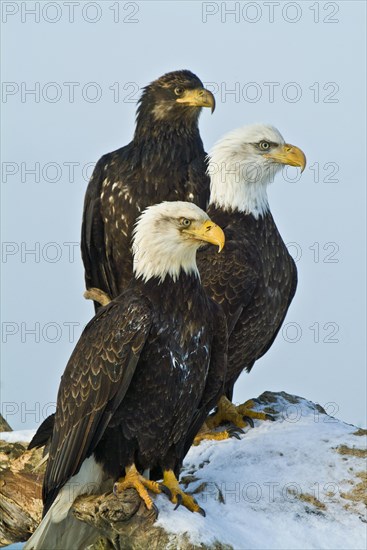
[164,161]
[147,368]
[255,278]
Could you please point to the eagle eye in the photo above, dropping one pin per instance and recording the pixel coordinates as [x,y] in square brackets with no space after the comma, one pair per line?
[179,90]
[185,222]
[264,145]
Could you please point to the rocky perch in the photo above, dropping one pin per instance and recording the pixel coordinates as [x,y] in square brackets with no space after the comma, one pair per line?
[299,482]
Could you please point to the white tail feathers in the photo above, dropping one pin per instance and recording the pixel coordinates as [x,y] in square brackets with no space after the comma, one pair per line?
[59,529]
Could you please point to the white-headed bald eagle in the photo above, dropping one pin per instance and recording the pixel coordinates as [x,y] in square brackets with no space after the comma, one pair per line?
[255,278]
[142,378]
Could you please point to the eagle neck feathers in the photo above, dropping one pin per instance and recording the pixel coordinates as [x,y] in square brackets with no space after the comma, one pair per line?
[158,147]
[231,191]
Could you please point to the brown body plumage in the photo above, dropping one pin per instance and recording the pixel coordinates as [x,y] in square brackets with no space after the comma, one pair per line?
[254,280]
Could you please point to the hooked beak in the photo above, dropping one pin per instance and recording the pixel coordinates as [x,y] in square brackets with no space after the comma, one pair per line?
[289,154]
[208,232]
[200,97]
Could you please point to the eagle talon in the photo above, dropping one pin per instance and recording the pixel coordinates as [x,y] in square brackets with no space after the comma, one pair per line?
[134,480]
[270,417]
[179,497]
[156,511]
[235,429]
[179,501]
[202,512]
[249,421]
[240,415]
[165,490]
[233,433]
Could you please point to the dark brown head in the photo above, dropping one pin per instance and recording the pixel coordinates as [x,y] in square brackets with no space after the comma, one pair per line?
[174,98]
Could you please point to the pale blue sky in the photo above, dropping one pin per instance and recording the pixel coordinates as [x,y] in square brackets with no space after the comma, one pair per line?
[306,77]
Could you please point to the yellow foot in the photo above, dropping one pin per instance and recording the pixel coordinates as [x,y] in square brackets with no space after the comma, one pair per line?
[140,483]
[241,415]
[178,496]
[205,434]
[97,295]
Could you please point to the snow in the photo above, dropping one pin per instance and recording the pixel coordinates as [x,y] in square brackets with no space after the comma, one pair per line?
[261,479]
[20,435]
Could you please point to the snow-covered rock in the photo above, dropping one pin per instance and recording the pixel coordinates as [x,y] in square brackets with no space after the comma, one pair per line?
[296,483]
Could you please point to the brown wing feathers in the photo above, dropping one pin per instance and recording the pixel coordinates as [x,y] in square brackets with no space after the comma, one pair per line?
[94,383]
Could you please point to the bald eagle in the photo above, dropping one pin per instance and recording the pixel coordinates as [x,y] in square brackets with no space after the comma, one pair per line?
[147,368]
[164,161]
[255,278]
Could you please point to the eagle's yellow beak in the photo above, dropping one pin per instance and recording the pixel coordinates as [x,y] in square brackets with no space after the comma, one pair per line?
[209,232]
[200,97]
[288,154]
